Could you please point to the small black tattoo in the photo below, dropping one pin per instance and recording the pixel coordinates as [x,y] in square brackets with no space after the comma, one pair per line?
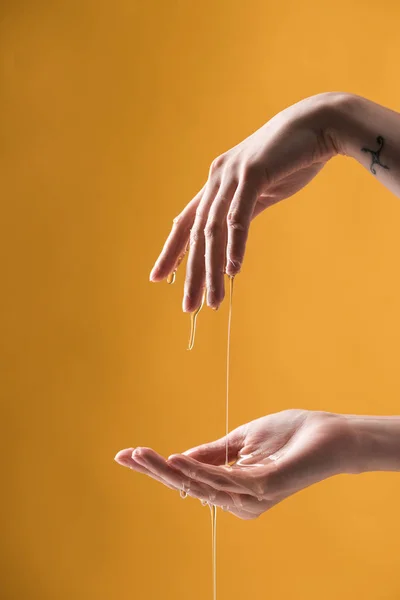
[376,155]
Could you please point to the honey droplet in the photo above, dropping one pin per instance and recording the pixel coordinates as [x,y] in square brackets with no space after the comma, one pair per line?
[193,321]
[171,277]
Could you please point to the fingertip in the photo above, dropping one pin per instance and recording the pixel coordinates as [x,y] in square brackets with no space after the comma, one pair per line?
[214,300]
[156,275]
[123,457]
[186,307]
[172,457]
[194,300]
[153,272]
[189,305]
[233,268]
[123,453]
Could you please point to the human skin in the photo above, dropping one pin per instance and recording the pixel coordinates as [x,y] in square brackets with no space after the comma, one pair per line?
[273,458]
[272,164]
[277,455]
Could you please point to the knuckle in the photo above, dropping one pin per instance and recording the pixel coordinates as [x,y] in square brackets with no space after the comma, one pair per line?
[236,222]
[217,163]
[200,213]
[212,229]
[177,220]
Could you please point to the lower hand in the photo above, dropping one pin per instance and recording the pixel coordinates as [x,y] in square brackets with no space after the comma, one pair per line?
[270,459]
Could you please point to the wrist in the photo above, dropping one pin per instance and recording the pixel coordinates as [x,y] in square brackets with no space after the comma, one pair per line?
[376,443]
[352,122]
[335,117]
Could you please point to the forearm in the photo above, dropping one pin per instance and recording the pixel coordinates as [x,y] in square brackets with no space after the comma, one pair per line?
[369,133]
[376,443]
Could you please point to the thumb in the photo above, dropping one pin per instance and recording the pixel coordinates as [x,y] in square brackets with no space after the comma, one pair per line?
[214,453]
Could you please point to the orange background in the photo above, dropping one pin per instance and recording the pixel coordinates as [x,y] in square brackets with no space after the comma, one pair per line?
[111,113]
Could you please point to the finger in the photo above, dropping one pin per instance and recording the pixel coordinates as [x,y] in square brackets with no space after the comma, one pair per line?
[125,459]
[177,240]
[239,218]
[214,453]
[195,269]
[159,468]
[248,481]
[157,465]
[230,502]
[216,238]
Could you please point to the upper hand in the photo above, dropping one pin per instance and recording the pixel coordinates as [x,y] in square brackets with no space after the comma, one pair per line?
[273,163]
